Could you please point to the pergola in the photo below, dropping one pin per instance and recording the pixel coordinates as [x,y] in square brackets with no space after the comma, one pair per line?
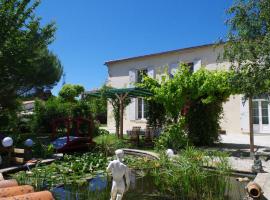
[121,94]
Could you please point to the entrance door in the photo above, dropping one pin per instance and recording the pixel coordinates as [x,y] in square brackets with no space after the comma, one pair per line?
[261,115]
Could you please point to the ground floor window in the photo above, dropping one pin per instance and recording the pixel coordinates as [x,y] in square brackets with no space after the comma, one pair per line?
[142,109]
[260,108]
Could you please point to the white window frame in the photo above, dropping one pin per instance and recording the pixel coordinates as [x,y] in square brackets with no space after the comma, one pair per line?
[137,99]
[142,108]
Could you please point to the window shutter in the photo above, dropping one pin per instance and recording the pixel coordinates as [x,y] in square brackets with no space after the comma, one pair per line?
[151,72]
[132,77]
[244,116]
[173,68]
[197,65]
[132,109]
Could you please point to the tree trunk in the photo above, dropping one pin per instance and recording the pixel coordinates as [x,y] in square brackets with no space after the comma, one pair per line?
[121,118]
[117,131]
[251,132]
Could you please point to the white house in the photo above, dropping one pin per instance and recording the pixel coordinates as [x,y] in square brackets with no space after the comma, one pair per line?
[123,73]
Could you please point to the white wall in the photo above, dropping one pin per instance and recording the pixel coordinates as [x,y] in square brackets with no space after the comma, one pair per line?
[207,57]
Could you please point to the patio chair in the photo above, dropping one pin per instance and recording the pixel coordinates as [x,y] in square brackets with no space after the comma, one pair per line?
[149,135]
[135,135]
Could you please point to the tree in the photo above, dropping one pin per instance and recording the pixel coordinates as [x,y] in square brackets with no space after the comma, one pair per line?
[25,60]
[70,92]
[64,106]
[248,49]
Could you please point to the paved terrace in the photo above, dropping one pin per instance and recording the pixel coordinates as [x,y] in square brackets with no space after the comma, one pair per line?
[262,140]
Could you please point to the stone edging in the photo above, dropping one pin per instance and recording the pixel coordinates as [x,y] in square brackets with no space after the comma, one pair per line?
[142,153]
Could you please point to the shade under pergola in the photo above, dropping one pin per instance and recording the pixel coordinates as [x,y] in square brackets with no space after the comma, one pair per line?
[121,94]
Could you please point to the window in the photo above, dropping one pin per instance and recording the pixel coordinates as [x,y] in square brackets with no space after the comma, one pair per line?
[264,108]
[142,106]
[174,70]
[191,67]
[140,74]
[255,108]
[142,109]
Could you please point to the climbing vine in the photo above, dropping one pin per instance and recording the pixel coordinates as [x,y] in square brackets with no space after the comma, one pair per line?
[196,96]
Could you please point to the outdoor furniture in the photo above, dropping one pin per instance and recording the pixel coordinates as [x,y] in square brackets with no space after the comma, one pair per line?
[135,135]
[149,135]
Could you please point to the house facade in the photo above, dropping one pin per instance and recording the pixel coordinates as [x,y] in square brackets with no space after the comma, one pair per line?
[123,73]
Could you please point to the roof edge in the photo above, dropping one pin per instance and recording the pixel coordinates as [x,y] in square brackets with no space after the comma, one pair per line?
[161,53]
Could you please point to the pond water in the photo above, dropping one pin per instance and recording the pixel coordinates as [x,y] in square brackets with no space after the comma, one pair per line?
[141,188]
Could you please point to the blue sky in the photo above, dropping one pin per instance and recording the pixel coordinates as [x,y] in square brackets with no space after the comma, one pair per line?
[91,32]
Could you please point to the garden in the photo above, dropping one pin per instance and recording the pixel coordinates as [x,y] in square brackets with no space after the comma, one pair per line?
[81,173]
[63,143]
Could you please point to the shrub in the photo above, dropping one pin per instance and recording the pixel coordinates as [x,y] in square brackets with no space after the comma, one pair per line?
[174,137]
[156,117]
[203,123]
[45,112]
[108,143]
[103,132]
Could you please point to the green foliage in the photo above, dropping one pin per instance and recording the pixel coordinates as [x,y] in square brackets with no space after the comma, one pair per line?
[174,136]
[46,112]
[70,92]
[8,121]
[25,60]
[72,169]
[61,107]
[108,143]
[41,150]
[184,177]
[103,132]
[185,94]
[98,105]
[155,114]
[247,46]
[203,122]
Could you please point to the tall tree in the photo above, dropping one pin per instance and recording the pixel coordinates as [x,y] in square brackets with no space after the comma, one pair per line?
[25,60]
[70,92]
[248,49]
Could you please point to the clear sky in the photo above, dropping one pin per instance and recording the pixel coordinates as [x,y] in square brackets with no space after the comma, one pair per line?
[91,32]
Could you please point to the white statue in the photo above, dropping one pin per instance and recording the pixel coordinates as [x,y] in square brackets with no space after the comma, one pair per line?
[170,153]
[119,171]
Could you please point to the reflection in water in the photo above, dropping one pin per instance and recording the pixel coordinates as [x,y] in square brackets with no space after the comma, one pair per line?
[141,188]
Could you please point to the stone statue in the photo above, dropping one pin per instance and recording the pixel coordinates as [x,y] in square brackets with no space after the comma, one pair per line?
[257,166]
[170,153]
[119,172]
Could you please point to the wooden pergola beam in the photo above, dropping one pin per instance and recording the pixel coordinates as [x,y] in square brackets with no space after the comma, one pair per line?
[121,94]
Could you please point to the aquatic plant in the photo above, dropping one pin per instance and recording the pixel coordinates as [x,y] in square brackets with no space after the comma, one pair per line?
[71,169]
[185,178]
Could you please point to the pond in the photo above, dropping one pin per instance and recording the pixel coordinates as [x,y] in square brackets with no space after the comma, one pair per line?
[142,188]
